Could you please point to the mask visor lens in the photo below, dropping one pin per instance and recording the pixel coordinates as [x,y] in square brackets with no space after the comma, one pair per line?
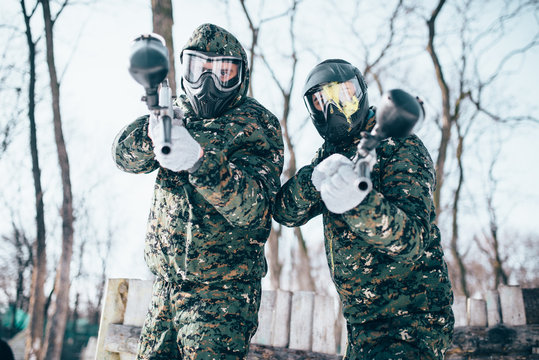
[226,70]
[345,96]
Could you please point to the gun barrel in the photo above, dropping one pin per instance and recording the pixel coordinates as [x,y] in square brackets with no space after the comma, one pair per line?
[363,181]
[167,143]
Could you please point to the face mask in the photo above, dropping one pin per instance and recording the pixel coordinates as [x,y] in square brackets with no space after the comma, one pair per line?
[210,81]
[338,126]
[208,101]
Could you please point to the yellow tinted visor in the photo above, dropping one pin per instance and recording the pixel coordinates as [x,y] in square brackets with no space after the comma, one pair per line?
[345,96]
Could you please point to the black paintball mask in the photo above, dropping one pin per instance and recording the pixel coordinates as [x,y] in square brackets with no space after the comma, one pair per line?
[335,94]
[211,82]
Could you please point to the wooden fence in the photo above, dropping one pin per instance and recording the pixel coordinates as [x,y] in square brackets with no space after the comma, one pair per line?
[304,325]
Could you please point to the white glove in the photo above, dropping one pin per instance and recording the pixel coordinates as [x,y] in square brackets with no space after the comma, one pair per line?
[184,150]
[337,180]
[326,168]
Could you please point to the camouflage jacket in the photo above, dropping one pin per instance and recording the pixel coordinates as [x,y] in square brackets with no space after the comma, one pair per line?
[385,255]
[212,224]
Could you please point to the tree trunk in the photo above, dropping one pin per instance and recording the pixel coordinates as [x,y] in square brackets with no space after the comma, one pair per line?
[254,41]
[275,266]
[455,229]
[162,25]
[34,340]
[60,306]
[446,115]
[302,268]
[500,277]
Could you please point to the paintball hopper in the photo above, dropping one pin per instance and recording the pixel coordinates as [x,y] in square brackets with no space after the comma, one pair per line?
[396,116]
[398,113]
[148,65]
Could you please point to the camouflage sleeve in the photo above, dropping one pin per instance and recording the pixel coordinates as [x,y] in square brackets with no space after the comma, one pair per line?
[397,219]
[241,184]
[132,149]
[298,201]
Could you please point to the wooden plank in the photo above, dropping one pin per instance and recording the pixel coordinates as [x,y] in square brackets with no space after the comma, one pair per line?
[122,338]
[494,342]
[113,311]
[512,305]
[324,321]
[460,310]
[494,316]
[281,319]
[478,312]
[261,352]
[138,301]
[265,318]
[467,341]
[301,320]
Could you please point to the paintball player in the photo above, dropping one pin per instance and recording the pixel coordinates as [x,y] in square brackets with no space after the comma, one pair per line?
[210,216]
[382,246]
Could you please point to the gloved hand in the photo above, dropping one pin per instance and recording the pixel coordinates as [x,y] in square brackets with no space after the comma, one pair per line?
[337,181]
[184,150]
[326,168]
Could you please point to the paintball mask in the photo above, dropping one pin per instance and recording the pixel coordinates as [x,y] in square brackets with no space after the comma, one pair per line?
[211,82]
[336,96]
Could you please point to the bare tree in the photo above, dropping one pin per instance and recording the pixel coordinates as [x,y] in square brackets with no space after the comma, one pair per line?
[162,25]
[39,273]
[60,305]
[490,245]
[457,256]
[376,60]
[255,33]
[447,118]
[303,269]
[469,85]
[22,258]
[462,98]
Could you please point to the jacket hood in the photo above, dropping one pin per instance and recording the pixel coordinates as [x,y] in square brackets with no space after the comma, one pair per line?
[213,39]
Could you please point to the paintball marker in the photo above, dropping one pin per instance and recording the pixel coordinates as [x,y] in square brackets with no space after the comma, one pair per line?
[148,65]
[396,116]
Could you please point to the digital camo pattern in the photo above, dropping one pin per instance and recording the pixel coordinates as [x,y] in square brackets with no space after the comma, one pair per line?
[385,255]
[213,39]
[212,321]
[209,227]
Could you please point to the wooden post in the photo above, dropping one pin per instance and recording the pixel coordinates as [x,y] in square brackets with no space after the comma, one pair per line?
[112,312]
[478,312]
[281,319]
[494,316]
[324,319]
[123,339]
[512,305]
[301,320]
[265,318]
[460,309]
[138,301]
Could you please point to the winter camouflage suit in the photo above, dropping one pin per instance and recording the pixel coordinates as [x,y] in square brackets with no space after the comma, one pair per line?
[207,230]
[384,255]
